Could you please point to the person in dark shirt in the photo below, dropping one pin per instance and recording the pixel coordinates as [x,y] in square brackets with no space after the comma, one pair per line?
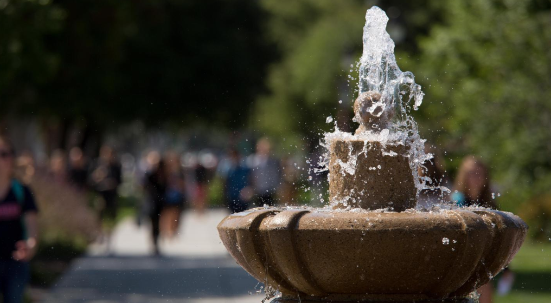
[78,168]
[156,188]
[106,179]
[18,228]
[236,183]
[201,188]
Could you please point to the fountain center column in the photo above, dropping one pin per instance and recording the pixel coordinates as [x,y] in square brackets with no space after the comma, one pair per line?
[367,170]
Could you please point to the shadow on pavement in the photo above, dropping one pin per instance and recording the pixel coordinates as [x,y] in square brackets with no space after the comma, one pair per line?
[137,279]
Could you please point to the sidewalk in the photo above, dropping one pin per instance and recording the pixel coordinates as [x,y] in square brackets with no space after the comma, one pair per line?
[195,267]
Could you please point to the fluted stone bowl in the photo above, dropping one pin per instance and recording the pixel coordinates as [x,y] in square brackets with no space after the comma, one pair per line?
[352,256]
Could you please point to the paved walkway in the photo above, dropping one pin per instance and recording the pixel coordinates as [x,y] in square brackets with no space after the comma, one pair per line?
[195,267]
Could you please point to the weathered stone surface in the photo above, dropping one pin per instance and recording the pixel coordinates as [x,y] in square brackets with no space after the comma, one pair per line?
[382,177]
[371,112]
[407,255]
[366,299]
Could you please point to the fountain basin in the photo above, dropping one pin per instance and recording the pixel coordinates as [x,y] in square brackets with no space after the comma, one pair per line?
[373,255]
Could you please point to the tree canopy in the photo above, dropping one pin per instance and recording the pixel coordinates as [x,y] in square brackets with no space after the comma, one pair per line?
[487,80]
[114,61]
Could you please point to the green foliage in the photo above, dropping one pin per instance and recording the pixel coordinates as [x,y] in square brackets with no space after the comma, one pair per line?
[487,82]
[53,258]
[537,212]
[25,61]
[316,39]
[532,268]
[215,194]
[105,62]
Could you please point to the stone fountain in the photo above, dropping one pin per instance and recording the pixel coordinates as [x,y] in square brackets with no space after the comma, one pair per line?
[371,244]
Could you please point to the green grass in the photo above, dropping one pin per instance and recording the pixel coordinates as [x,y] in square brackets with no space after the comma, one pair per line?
[532,268]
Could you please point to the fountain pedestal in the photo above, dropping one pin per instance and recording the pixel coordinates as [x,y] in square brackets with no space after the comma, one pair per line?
[371,171]
[369,175]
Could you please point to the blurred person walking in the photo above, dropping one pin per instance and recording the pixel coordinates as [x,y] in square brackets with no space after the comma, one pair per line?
[57,166]
[266,173]
[472,188]
[237,192]
[156,187]
[18,228]
[201,187]
[175,195]
[78,168]
[148,163]
[106,178]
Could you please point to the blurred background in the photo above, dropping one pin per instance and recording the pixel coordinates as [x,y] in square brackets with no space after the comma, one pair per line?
[193,95]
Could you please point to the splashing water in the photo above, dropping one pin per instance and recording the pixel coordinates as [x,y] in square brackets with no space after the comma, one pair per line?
[379,72]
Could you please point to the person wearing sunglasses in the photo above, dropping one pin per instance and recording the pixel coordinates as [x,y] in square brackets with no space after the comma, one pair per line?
[18,228]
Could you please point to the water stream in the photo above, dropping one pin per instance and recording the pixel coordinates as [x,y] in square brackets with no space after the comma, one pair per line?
[379,72]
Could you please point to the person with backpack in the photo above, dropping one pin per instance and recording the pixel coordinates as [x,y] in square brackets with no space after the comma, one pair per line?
[18,228]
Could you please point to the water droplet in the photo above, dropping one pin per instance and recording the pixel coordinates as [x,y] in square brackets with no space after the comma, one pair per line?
[329,119]
[445,241]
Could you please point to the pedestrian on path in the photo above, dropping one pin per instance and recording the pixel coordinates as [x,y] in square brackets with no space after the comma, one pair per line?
[156,187]
[18,228]
[201,188]
[266,173]
[106,177]
[472,188]
[175,195]
[237,191]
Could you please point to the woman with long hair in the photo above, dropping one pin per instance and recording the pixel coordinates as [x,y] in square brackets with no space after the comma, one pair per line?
[472,188]
[472,185]
[18,227]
